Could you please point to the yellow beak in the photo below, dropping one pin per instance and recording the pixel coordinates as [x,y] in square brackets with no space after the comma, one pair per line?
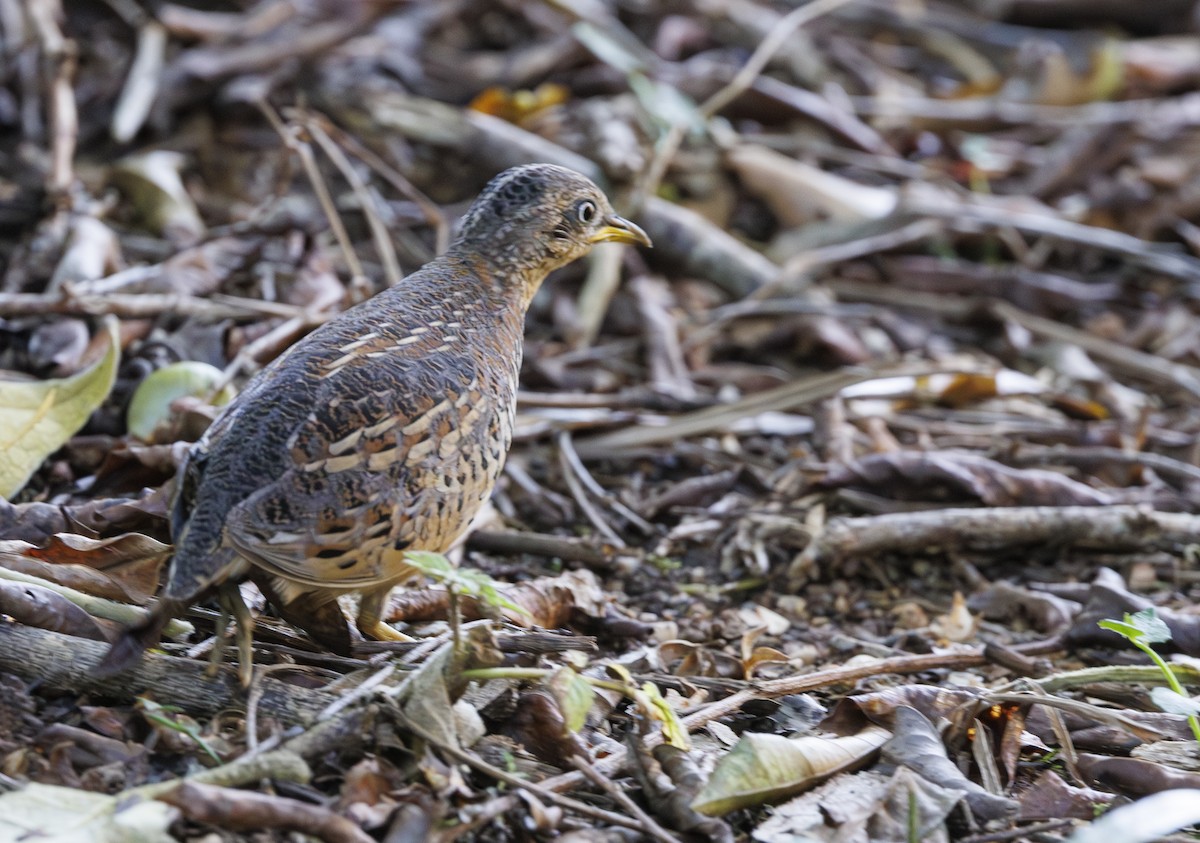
[620,230]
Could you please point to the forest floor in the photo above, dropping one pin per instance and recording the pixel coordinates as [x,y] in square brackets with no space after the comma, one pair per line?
[814,509]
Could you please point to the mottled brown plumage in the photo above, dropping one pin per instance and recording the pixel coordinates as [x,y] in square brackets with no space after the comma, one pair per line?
[383,431]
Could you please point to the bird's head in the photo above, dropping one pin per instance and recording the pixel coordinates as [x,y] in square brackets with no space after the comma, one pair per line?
[536,218]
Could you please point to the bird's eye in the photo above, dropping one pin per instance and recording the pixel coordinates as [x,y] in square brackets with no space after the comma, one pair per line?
[586,211]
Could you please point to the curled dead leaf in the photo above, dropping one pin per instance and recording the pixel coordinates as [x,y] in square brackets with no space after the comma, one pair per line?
[765,768]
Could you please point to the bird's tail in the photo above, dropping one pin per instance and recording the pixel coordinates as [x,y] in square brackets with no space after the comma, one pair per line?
[187,582]
[127,650]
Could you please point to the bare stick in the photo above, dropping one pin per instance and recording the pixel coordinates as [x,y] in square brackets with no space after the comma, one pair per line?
[770,45]
[379,233]
[59,60]
[580,493]
[358,278]
[140,305]
[652,828]
[589,552]
[1100,527]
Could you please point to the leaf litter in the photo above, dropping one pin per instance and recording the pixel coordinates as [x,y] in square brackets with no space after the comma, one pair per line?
[821,515]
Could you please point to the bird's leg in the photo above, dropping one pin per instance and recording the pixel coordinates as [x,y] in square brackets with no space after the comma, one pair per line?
[231,602]
[370,616]
[219,631]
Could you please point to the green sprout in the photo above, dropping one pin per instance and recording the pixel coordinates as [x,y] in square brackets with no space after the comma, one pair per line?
[1142,630]
[164,715]
[461,582]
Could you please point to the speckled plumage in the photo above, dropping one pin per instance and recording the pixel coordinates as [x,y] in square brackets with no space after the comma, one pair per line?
[382,431]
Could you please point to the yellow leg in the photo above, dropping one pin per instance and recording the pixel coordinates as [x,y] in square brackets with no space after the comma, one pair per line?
[232,604]
[370,617]
[218,650]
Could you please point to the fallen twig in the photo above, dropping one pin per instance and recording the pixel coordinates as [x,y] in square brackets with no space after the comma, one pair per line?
[992,528]
[64,663]
[241,810]
[786,397]
[140,305]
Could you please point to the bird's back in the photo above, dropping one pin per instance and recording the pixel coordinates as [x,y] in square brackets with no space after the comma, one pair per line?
[383,429]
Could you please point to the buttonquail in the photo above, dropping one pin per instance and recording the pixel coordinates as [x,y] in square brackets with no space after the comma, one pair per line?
[382,431]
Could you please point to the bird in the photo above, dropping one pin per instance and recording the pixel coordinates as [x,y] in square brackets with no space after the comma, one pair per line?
[380,433]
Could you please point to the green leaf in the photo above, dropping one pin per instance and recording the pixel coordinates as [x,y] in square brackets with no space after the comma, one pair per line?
[37,417]
[575,696]
[152,183]
[1126,630]
[666,104]
[433,565]
[663,103]
[621,672]
[766,768]
[1154,631]
[1144,627]
[490,595]
[170,717]
[468,582]
[652,703]
[151,403]
[607,48]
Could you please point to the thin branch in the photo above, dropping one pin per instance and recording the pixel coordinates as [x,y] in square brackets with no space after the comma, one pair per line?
[578,491]
[379,232]
[68,302]
[433,213]
[539,790]
[651,827]
[1164,112]
[668,145]
[289,135]
[589,482]
[766,50]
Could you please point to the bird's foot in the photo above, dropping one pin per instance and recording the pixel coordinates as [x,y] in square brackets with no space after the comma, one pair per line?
[380,631]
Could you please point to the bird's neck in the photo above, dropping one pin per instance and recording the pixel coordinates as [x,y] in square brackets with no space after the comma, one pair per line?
[503,282]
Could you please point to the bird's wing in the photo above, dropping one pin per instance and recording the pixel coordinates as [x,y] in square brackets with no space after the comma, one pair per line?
[374,469]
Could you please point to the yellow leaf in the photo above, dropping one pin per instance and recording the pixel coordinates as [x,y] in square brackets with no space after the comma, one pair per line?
[650,701]
[519,106]
[767,768]
[37,417]
[54,814]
